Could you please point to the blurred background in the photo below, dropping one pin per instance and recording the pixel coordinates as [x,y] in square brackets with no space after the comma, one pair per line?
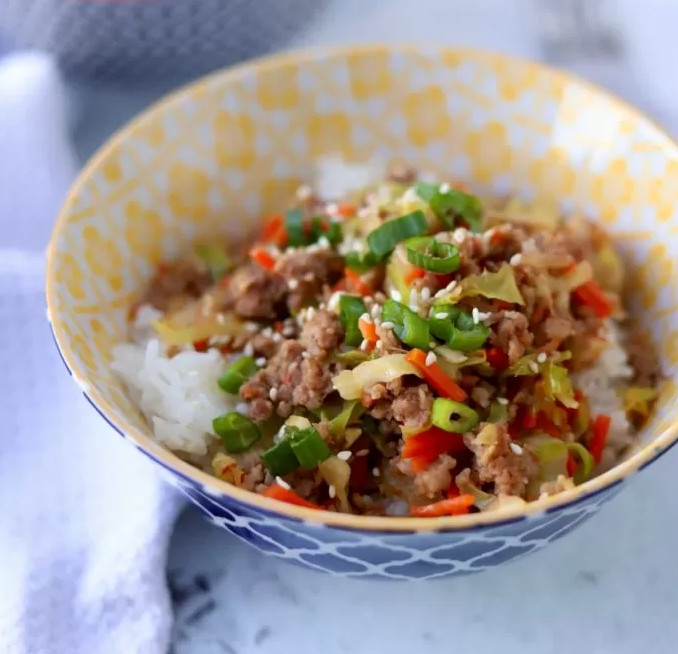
[118,56]
[121,55]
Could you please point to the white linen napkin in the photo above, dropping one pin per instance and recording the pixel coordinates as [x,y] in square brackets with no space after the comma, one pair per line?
[84,518]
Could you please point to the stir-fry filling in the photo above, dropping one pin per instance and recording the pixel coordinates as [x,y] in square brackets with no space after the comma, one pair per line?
[412,350]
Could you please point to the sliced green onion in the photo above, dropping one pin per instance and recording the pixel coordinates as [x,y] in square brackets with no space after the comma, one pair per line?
[392,311]
[498,412]
[410,327]
[414,330]
[585,462]
[350,310]
[442,318]
[361,262]
[215,258]
[457,328]
[237,432]
[451,205]
[432,255]
[309,448]
[280,459]
[383,240]
[370,427]
[294,227]
[334,233]
[351,359]
[453,416]
[350,412]
[237,374]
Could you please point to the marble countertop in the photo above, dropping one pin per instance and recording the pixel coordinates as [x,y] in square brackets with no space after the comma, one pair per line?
[612,586]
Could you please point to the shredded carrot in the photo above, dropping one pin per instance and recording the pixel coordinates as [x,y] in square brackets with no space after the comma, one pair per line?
[450,506]
[200,346]
[435,376]
[497,358]
[544,423]
[571,465]
[355,281]
[368,330]
[414,273]
[529,420]
[424,448]
[263,258]
[277,492]
[599,432]
[452,491]
[339,286]
[591,295]
[502,305]
[346,209]
[274,230]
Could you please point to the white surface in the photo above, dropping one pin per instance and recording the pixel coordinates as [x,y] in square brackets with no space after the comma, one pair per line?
[84,520]
[610,587]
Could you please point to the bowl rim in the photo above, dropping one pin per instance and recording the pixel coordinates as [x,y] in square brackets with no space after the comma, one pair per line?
[214,487]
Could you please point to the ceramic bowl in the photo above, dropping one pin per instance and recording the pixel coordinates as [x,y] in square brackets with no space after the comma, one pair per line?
[217,155]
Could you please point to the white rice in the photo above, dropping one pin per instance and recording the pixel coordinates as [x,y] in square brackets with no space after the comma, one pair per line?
[179,396]
[600,384]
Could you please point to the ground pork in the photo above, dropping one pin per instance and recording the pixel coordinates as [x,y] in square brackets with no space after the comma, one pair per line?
[512,334]
[176,282]
[643,358]
[306,272]
[407,405]
[289,380]
[256,293]
[321,334]
[509,471]
[389,341]
[436,479]
[262,345]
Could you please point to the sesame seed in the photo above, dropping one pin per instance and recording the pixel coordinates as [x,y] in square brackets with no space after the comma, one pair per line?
[309,277]
[459,235]
[252,327]
[345,455]
[248,350]
[366,318]
[414,297]
[368,300]
[431,358]
[379,344]
[331,208]
[292,284]
[281,482]
[364,345]
[376,472]
[332,491]
[452,285]
[220,318]
[334,301]
[444,188]
[395,295]
[323,242]
[387,324]
[276,338]
[441,293]
[515,259]
[375,310]
[267,332]
[362,452]
[474,315]
[534,367]
[440,315]
[304,192]
[425,293]
[273,394]
[310,313]
[541,357]
[305,355]
[516,449]
[502,400]
[261,361]
[288,331]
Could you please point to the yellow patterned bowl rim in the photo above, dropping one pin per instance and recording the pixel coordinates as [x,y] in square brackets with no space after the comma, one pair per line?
[214,486]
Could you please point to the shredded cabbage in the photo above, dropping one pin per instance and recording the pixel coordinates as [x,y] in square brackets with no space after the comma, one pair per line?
[350,411]
[337,473]
[558,385]
[608,269]
[551,454]
[542,213]
[482,500]
[351,383]
[526,364]
[189,325]
[488,435]
[351,358]
[498,412]
[500,285]
[451,361]
[566,283]
[227,469]
[637,401]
